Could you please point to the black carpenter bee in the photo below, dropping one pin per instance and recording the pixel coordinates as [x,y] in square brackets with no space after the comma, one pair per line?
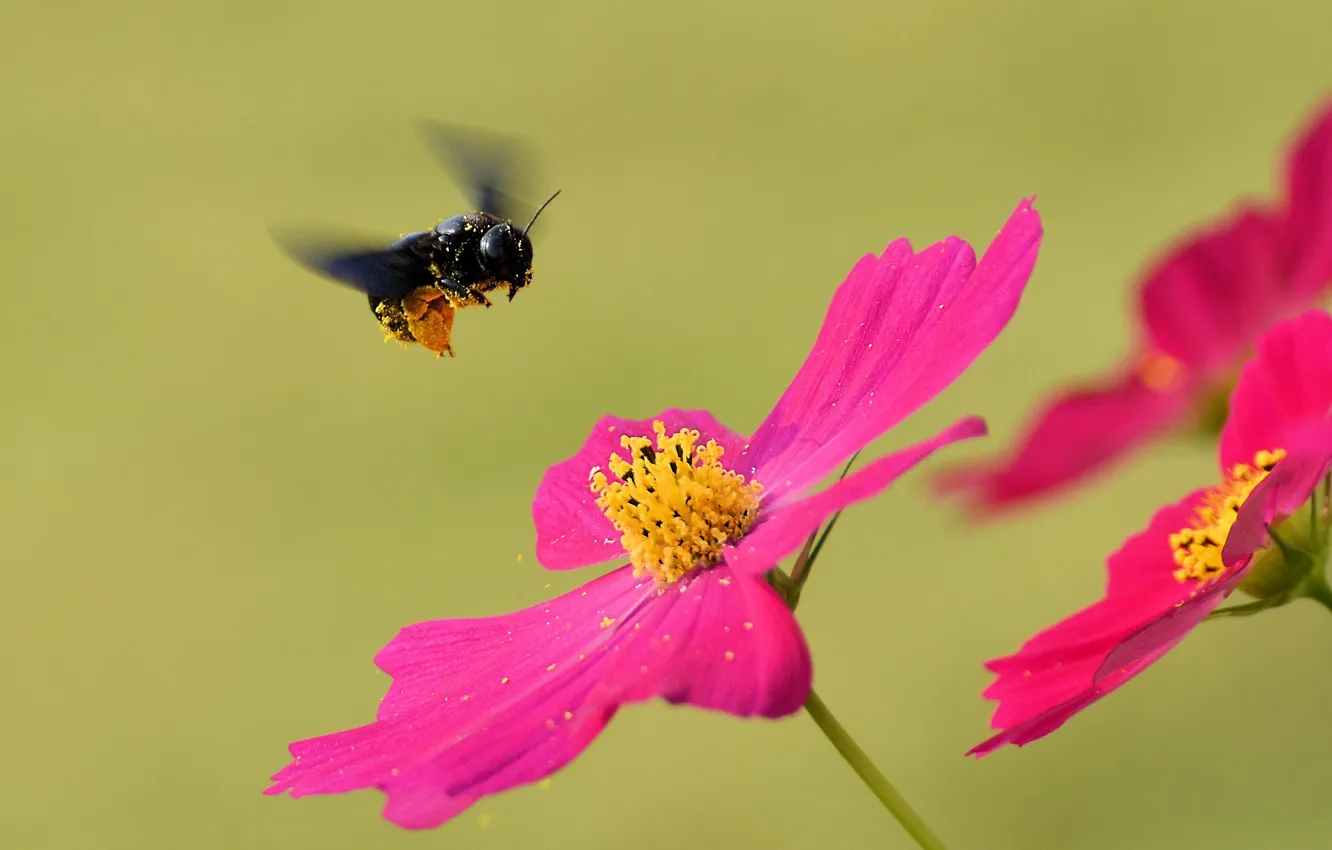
[418,283]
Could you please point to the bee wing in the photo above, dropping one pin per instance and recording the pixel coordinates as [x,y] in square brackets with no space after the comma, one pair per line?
[487,164]
[387,273]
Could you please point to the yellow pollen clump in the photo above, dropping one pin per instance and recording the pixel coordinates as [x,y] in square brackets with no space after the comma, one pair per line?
[424,315]
[1198,548]
[675,505]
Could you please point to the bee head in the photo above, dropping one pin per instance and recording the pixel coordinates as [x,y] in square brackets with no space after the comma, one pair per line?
[506,254]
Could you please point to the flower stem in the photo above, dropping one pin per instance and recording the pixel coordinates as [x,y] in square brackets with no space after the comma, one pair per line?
[873,778]
[804,563]
[1318,591]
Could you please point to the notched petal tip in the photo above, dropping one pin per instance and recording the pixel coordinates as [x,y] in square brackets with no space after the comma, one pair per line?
[900,329]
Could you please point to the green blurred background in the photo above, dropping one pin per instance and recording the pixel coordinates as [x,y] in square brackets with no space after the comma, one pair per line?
[222,494]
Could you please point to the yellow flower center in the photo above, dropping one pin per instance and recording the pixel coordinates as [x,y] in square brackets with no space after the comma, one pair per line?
[675,505]
[1198,547]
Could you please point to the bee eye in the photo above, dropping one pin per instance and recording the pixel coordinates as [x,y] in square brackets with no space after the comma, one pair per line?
[494,243]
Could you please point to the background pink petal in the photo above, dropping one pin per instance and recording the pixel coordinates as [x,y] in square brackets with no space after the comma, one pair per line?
[719,641]
[1209,298]
[1286,387]
[1077,434]
[900,328]
[1063,669]
[782,529]
[572,531]
[1308,222]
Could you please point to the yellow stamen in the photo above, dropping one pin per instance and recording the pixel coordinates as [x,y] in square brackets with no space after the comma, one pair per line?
[1198,547]
[676,506]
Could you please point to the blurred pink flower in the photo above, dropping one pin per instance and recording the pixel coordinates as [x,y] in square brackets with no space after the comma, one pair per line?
[1199,312]
[483,705]
[1275,449]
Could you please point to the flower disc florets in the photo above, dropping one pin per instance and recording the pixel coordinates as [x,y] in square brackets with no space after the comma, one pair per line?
[1197,549]
[675,505]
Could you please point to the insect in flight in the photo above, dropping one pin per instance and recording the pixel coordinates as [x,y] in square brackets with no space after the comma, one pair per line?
[418,283]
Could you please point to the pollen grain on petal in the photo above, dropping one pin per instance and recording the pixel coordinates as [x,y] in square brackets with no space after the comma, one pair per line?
[1197,549]
[674,503]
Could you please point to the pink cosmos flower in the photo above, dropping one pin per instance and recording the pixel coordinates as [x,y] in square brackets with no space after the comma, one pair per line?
[479,706]
[1275,449]
[1199,312]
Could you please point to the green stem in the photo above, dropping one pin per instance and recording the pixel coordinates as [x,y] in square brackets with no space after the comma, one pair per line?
[802,561]
[873,778]
[800,572]
[1318,590]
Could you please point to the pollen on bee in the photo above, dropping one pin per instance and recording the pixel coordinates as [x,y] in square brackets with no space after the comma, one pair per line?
[423,316]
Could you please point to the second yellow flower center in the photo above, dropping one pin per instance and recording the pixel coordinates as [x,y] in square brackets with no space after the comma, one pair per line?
[674,504]
[1198,548]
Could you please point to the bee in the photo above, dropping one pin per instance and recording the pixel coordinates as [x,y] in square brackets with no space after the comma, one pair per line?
[417,284]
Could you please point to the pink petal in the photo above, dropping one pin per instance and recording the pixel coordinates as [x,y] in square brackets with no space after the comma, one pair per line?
[720,641]
[900,328]
[488,684]
[1309,206]
[1286,387]
[421,807]
[1075,435]
[1065,668]
[483,705]
[1207,300]
[572,531]
[783,528]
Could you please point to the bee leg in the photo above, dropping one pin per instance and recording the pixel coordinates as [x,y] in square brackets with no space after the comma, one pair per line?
[462,296]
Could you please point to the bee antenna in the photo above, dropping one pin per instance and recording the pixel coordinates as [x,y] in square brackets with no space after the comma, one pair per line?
[538,212]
